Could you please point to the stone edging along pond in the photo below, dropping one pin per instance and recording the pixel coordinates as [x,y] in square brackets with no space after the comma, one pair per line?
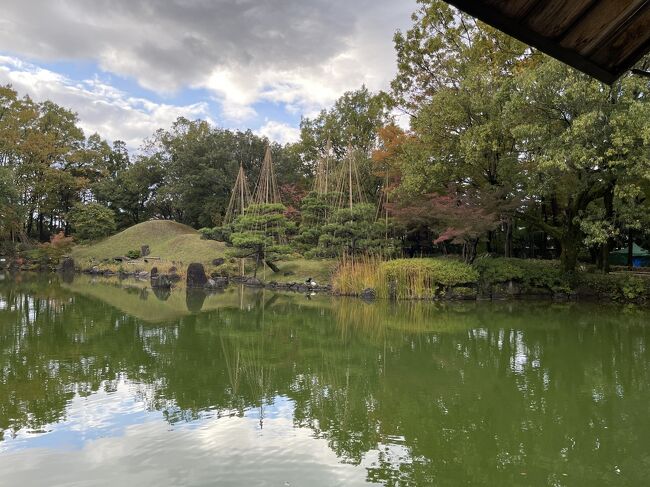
[426,279]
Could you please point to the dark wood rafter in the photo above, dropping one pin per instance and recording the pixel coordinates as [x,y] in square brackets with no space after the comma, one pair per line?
[602,38]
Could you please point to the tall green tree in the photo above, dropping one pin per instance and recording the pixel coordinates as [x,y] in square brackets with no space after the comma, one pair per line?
[92,221]
[581,143]
[455,78]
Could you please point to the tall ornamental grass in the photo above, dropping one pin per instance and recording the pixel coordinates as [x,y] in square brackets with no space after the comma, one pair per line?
[356,273]
[402,278]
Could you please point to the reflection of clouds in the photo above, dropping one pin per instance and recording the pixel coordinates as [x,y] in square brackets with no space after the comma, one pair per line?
[390,456]
[218,451]
[97,415]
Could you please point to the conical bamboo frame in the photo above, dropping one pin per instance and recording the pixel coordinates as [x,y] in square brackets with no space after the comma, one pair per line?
[324,171]
[348,186]
[382,205]
[266,190]
[240,197]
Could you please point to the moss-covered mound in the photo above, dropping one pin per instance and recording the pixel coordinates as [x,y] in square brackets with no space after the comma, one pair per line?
[171,241]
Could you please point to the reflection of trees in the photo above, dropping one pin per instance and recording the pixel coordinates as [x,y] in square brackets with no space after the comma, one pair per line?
[480,394]
[52,347]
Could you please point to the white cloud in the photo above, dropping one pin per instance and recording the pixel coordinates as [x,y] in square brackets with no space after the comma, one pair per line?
[300,55]
[304,54]
[279,132]
[101,107]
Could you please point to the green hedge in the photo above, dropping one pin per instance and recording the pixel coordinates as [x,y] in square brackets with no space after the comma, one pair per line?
[619,287]
[530,273]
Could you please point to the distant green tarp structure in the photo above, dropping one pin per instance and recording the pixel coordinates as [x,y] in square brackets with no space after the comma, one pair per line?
[640,257]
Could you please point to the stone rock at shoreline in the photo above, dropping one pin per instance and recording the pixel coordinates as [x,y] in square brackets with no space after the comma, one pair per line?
[67,265]
[218,262]
[153,272]
[289,273]
[174,277]
[218,283]
[253,282]
[142,275]
[368,294]
[160,281]
[196,277]
[144,251]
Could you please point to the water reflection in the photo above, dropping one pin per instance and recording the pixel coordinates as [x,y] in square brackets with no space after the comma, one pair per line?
[412,394]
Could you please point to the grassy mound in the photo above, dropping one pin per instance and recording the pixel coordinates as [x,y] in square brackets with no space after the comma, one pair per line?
[171,241]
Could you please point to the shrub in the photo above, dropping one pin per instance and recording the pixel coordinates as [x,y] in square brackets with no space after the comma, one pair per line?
[52,251]
[133,254]
[530,273]
[618,287]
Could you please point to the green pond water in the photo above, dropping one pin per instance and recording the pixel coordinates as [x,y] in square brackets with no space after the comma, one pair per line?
[108,383]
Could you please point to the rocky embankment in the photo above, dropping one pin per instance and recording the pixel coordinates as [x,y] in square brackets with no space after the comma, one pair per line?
[197,278]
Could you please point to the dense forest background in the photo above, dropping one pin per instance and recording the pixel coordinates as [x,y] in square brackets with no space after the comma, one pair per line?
[507,152]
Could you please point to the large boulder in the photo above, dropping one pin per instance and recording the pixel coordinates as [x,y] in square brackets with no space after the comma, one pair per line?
[218,262]
[144,250]
[196,277]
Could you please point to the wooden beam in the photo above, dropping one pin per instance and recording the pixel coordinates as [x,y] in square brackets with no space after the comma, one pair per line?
[492,16]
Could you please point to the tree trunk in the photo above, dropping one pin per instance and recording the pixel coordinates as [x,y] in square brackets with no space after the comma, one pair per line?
[630,249]
[608,200]
[41,229]
[469,250]
[30,222]
[569,253]
[604,257]
[507,251]
[257,263]
[273,267]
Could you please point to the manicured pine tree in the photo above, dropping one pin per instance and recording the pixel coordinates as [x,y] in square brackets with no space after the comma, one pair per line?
[261,234]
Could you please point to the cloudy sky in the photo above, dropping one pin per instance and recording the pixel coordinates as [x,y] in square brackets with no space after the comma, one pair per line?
[128,67]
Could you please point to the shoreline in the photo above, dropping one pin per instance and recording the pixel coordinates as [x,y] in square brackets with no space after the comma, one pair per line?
[505,292]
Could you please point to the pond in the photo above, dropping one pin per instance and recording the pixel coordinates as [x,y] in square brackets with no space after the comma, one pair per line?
[109,383]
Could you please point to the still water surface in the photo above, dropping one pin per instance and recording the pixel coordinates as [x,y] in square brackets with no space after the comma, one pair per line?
[103,383]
